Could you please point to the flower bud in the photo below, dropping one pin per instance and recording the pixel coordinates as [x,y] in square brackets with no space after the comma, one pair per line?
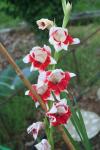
[44,23]
[68,7]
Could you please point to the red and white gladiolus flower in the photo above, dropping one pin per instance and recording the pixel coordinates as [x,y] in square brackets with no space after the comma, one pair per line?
[39,58]
[43,91]
[59,113]
[44,23]
[35,128]
[43,145]
[60,38]
[57,79]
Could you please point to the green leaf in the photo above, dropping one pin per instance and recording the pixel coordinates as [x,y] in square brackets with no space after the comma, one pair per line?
[76,145]
[4,148]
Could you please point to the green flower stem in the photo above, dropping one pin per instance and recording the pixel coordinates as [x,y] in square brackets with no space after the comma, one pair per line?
[65,21]
[56,57]
[49,133]
[51,138]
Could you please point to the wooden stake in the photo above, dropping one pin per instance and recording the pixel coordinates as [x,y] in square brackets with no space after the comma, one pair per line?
[29,86]
[65,138]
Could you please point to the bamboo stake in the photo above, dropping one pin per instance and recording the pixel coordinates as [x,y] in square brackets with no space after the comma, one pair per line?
[64,136]
[28,85]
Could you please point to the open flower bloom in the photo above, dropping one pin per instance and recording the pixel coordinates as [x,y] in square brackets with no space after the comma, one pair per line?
[43,92]
[44,23]
[57,80]
[43,145]
[39,58]
[59,113]
[60,39]
[35,128]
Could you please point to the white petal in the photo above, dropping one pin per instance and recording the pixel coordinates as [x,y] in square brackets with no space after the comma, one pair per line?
[66,91]
[57,47]
[57,70]
[26,59]
[52,119]
[51,40]
[53,61]
[72,75]
[58,97]
[40,84]
[27,92]
[64,46]
[47,48]
[42,89]
[39,146]
[64,101]
[34,49]
[30,128]
[41,77]
[35,135]
[51,98]
[43,145]
[37,104]
[61,109]
[52,29]
[56,75]
[53,110]
[32,68]
[76,41]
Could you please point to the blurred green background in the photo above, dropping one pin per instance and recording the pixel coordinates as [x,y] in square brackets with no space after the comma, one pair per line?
[17,112]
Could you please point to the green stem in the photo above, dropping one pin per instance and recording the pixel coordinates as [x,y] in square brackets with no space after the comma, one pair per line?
[51,138]
[56,57]
[49,133]
[65,21]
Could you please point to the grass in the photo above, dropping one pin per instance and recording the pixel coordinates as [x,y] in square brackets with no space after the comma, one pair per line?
[86,5]
[7,21]
[15,117]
